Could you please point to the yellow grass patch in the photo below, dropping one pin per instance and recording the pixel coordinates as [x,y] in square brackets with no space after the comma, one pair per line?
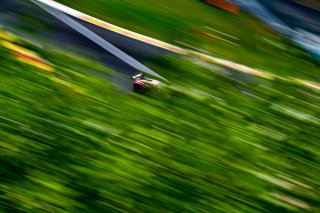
[27,56]
[7,36]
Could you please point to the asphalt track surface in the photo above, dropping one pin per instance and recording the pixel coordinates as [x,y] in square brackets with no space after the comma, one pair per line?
[32,22]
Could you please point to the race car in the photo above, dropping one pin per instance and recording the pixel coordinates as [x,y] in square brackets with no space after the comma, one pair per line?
[142,84]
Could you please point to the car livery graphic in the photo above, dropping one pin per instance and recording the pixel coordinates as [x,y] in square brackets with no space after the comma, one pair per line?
[142,84]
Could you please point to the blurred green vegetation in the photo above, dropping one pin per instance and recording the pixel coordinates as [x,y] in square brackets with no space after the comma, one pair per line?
[217,142]
[196,25]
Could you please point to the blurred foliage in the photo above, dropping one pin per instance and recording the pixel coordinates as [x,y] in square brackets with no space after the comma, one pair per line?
[221,141]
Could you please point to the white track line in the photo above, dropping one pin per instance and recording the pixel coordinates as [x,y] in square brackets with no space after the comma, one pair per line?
[163,45]
[97,39]
[149,40]
[112,27]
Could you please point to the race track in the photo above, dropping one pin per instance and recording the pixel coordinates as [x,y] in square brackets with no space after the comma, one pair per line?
[35,24]
[32,22]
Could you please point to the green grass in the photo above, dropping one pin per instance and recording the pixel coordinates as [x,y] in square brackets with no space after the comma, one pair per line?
[185,20]
[78,144]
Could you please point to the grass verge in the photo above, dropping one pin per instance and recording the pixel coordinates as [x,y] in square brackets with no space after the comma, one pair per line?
[70,142]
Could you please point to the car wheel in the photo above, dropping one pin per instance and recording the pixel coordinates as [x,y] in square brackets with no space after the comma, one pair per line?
[138,88]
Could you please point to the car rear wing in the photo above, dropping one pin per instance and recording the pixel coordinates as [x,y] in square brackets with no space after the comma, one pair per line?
[140,75]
